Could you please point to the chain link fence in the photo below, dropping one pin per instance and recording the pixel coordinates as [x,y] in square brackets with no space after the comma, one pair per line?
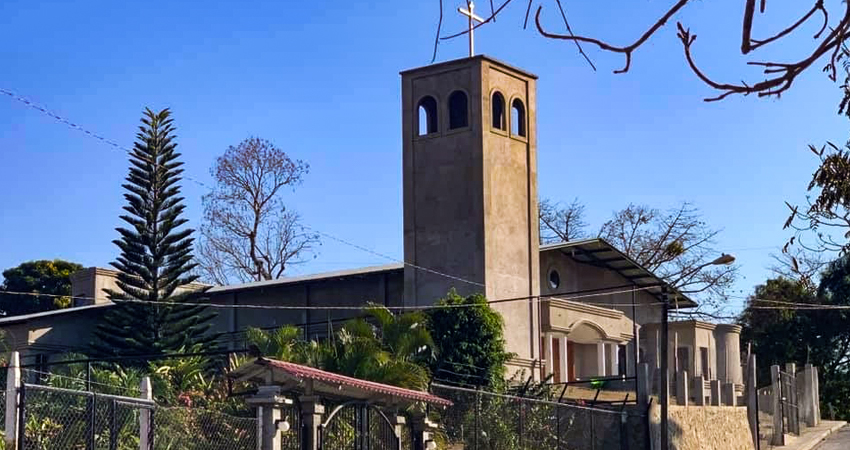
[481,420]
[58,418]
[199,429]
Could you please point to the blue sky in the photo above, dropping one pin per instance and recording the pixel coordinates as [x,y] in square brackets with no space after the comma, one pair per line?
[320,79]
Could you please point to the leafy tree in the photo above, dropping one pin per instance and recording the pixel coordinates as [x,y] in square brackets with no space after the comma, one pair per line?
[41,277]
[156,256]
[248,233]
[469,341]
[816,335]
[382,347]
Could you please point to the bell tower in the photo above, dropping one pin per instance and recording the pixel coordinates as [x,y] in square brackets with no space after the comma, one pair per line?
[470,190]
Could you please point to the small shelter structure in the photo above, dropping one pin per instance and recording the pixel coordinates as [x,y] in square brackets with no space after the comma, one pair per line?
[304,408]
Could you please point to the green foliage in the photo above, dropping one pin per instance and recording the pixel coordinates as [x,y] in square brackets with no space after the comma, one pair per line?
[42,277]
[383,347]
[469,341]
[820,337]
[156,256]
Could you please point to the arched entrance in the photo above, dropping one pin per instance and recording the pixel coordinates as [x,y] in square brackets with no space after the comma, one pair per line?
[358,426]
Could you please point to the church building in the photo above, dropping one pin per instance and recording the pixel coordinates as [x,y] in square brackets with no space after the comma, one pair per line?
[469,160]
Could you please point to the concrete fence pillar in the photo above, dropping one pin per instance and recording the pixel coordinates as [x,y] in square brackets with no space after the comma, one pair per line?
[268,401]
[13,384]
[398,422]
[715,392]
[643,386]
[699,390]
[312,412]
[423,432]
[682,388]
[145,415]
[730,397]
[776,389]
[751,389]
[816,381]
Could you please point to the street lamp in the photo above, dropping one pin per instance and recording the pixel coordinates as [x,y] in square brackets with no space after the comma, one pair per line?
[722,260]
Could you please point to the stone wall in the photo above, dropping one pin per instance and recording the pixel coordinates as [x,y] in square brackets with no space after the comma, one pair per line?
[703,428]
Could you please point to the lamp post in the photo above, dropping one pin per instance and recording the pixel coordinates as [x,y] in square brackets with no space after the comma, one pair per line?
[722,260]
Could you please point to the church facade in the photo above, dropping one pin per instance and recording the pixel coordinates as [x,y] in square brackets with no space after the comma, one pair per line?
[469,159]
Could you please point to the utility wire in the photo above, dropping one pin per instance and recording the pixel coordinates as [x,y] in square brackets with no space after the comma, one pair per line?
[543,298]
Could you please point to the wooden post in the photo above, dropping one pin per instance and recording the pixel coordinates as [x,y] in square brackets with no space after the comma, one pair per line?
[730,398]
[13,382]
[145,415]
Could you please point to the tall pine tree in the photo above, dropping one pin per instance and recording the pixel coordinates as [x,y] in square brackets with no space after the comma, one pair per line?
[156,257]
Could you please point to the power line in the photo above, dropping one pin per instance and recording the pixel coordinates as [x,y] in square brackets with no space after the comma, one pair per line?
[543,298]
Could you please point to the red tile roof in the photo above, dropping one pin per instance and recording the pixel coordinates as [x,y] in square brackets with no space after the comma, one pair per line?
[299,371]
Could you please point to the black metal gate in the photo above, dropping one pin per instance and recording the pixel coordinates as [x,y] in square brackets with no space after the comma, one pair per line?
[788,399]
[55,418]
[358,426]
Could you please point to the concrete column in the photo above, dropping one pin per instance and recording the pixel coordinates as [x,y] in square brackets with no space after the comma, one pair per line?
[806,399]
[730,398]
[13,383]
[643,386]
[423,431]
[614,358]
[312,412]
[751,386]
[600,359]
[699,390]
[145,415]
[548,355]
[776,389]
[682,388]
[715,392]
[816,380]
[562,363]
[268,401]
[398,423]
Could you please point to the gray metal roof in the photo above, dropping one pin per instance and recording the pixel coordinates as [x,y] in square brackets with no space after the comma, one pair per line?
[306,278]
[600,253]
[52,313]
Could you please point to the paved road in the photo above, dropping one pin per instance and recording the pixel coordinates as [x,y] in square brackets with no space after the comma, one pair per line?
[840,440]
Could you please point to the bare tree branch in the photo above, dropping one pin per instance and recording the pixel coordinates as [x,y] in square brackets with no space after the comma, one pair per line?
[248,234]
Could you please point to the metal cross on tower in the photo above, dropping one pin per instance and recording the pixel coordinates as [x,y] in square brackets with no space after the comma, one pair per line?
[470,14]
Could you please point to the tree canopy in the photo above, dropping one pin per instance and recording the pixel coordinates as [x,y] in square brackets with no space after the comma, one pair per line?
[51,277]
[783,328]
[469,341]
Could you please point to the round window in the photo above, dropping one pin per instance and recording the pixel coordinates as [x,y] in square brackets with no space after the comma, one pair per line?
[554,279]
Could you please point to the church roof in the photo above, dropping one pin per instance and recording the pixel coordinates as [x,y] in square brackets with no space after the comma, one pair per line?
[600,253]
[307,278]
[472,58]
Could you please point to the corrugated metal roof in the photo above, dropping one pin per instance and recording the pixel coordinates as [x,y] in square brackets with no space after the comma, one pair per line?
[305,278]
[599,252]
[55,312]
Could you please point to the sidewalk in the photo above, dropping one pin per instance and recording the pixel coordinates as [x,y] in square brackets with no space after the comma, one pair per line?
[810,437]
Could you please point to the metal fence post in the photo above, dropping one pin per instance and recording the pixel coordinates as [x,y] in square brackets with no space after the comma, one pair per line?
[477,416]
[145,416]
[90,424]
[113,425]
[13,403]
[22,412]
